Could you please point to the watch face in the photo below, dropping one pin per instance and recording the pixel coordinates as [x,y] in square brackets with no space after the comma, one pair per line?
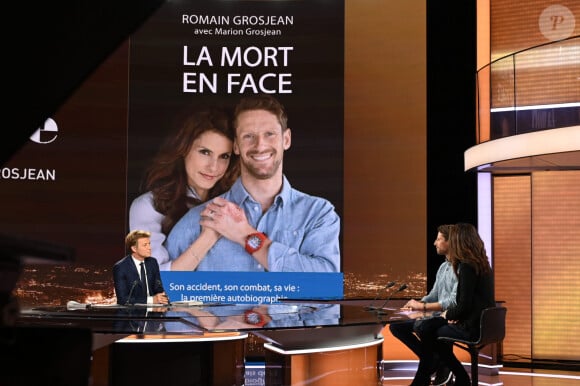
[255,318]
[254,242]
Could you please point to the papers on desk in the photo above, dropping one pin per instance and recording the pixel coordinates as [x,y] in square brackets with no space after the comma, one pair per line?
[187,303]
[414,314]
[99,305]
[410,312]
[72,305]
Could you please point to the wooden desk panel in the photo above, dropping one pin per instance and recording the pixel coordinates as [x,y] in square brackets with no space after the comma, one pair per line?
[172,360]
[343,365]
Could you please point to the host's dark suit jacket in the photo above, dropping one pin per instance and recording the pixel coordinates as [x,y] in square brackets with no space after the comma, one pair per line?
[128,287]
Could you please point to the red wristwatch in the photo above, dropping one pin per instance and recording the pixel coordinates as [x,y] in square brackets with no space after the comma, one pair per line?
[254,242]
[255,318]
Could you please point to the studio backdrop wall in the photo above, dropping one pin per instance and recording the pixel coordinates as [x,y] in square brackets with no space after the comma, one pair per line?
[352,76]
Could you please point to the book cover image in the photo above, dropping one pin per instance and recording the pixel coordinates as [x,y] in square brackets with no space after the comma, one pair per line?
[193,54]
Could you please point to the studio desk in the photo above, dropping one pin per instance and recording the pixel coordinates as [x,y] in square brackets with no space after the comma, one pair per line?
[315,343]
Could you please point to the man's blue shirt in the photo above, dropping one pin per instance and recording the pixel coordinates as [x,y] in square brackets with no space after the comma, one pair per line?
[444,290]
[304,230]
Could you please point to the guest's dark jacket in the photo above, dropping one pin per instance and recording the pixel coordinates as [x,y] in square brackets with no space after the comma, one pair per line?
[128,287]
[474,293]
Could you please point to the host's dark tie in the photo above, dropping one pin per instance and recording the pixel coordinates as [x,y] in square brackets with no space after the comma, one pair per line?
[143,277]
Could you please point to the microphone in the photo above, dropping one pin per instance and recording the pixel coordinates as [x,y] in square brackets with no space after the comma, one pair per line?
[370,306]
[131,291]
[401,288]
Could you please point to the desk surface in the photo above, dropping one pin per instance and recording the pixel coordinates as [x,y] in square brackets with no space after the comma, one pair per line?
[199,319]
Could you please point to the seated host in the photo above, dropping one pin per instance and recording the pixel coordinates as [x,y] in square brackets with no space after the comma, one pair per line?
[261,223]
[136,276]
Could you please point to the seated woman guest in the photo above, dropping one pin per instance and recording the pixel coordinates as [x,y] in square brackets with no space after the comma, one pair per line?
[475,292]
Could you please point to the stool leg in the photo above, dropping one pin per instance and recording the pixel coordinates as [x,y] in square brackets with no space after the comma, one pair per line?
[474,365]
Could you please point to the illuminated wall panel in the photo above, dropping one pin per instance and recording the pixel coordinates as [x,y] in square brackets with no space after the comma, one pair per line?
[556,265]
[512,260]
[536,261]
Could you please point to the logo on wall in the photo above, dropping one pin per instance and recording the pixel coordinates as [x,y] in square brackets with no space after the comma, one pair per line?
[46,133]
[557,22]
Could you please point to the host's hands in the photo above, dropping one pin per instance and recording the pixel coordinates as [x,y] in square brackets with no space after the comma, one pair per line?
[161,298]
[226,218]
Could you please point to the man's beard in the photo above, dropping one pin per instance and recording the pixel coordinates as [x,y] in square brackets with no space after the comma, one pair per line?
[261,173]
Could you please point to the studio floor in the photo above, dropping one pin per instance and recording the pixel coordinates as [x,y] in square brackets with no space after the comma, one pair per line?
[506,377]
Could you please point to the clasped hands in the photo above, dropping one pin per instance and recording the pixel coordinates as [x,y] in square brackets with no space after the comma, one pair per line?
[227,219]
